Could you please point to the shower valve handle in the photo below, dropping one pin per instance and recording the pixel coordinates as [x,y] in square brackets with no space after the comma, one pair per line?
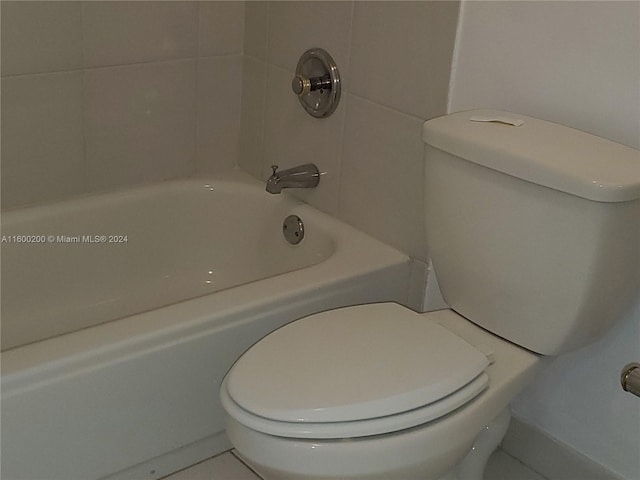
[302,85]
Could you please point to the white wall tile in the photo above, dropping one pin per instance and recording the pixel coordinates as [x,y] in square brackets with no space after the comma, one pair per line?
[251,148]
[117,33]
[402,51]
[297,26]
[256,26]
[293,137]
[41,37]
[401,54]
[140,123]
[42,143]
[221,29]
[382,176]
[219,100]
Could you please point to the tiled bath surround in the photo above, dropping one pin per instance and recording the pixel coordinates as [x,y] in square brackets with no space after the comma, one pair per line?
[102,95]
[395,59]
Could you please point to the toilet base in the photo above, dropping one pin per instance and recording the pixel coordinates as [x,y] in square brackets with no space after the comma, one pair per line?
[473,464]
[425,456]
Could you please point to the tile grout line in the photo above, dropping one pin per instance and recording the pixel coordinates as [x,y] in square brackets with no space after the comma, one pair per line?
[523,465]
[232,451]
[168,476]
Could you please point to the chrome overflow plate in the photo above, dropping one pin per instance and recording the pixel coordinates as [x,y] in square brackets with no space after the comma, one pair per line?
[317,83]
[293,229]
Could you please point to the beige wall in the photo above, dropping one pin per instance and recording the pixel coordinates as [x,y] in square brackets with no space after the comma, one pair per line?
[100,95]
[574,63]
[395,59]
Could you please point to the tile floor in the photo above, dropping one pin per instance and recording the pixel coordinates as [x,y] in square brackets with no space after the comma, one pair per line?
[227,466]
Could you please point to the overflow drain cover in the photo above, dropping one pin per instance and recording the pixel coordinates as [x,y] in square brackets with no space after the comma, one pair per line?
[293,229]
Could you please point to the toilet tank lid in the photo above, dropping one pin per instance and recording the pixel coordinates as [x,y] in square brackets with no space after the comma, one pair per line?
[540,152]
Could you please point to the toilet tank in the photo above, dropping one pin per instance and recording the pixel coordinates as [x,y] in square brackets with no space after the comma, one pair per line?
[533,228]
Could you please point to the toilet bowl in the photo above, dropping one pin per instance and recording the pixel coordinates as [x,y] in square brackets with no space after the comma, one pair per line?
[373,423]
[520,218]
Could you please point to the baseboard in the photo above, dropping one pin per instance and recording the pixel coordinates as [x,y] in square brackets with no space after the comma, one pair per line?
[549,457]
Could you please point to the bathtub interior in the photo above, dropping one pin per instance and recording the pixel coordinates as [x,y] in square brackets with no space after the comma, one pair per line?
[84,262]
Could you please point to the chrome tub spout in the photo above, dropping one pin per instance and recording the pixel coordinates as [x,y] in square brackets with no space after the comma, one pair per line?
[302,176]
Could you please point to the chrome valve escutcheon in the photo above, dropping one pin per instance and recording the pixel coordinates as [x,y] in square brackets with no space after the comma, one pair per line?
[317,83]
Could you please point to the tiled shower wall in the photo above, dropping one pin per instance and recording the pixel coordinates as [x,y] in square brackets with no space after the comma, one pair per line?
[395,62]
[102,95]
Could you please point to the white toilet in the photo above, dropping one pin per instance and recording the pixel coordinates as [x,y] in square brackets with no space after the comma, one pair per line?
[533,230]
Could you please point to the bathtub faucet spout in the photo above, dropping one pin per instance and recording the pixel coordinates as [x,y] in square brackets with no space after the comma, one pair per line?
[302,176]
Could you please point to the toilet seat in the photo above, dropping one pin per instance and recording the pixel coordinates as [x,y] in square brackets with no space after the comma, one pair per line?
[353,371]
[358,428]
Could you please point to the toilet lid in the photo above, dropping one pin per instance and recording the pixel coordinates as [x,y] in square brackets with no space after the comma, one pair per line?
[359,428]
[350,364]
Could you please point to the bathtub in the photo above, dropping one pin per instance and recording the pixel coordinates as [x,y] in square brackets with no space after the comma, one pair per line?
[121,313]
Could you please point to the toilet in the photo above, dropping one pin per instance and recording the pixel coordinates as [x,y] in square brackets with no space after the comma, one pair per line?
[533,231]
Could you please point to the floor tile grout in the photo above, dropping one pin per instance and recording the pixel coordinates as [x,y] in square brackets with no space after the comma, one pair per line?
[502,466]
[233,452]
[168,477]
[524,465]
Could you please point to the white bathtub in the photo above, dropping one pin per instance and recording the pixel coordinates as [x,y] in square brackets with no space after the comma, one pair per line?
[114,347]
